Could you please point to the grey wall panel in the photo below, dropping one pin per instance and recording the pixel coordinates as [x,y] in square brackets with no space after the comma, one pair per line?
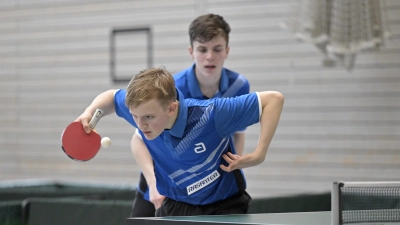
[54,59]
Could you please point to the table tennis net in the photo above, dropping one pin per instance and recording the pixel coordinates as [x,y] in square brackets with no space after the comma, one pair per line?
[362,202]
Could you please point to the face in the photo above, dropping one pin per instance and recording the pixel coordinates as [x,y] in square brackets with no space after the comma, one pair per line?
[152,118]
[209,57]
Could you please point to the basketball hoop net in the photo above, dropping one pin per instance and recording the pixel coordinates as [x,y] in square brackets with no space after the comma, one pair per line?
[340,28]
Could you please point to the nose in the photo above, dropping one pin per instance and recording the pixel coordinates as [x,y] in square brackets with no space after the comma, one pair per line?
[210,56]
[141,123]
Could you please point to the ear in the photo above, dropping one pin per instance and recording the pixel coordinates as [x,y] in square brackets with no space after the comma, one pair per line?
[173,108]
[190,49]
[227,51]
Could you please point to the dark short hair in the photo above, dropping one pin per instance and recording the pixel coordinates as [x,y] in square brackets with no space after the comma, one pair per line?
[206,27]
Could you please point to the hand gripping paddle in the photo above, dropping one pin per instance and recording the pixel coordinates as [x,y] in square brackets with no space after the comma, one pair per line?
[77,144]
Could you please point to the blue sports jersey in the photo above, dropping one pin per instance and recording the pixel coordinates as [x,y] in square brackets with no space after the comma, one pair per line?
[231,84]
[187,157]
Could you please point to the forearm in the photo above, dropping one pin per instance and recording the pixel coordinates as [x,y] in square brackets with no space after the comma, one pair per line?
[272,104]
[104,101]
[271,108]
[238,141]
[143,159]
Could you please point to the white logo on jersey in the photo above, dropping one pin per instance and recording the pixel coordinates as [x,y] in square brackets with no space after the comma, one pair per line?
[200,147]
[202,183]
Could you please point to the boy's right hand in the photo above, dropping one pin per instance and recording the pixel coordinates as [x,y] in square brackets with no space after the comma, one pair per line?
[155,197]
[84,119]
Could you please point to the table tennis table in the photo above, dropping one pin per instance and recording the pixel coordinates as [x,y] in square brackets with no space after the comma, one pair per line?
[304,218]
[300,218]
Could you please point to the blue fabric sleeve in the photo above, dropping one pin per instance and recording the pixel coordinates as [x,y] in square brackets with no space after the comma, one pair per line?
[235,114]
[120,108]
[243,90]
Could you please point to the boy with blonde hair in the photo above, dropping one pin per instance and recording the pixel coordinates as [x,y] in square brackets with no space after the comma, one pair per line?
[190,140]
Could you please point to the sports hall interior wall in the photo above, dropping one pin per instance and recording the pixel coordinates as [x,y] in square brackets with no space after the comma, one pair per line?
[55,58]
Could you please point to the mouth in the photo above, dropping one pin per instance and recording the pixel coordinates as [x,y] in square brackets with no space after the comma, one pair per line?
[210,67]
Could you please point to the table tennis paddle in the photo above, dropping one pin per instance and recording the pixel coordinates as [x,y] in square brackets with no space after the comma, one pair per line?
[77,144]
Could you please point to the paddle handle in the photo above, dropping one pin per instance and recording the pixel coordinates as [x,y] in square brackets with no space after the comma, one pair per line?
[96,117]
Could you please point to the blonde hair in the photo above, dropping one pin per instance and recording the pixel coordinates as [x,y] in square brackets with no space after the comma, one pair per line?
[154,83]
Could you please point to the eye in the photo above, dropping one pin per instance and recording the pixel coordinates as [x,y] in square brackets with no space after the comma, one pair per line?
[149,117]
[202,49]
[217,50]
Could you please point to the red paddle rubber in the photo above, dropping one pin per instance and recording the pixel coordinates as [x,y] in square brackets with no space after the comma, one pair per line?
[77,144]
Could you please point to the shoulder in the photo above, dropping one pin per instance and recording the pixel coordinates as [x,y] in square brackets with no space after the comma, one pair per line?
[235,77]
[233,74]
[193,102]
[181,78]
[119,94]
[237,84]
[182,75]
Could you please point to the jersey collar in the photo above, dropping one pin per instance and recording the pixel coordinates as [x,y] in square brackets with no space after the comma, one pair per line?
[194,86]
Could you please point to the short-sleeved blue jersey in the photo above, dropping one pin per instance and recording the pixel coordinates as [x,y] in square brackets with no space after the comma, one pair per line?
[231,84]
[187,157]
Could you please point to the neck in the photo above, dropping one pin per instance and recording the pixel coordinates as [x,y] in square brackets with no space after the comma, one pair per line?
[208,91]
[208,85]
